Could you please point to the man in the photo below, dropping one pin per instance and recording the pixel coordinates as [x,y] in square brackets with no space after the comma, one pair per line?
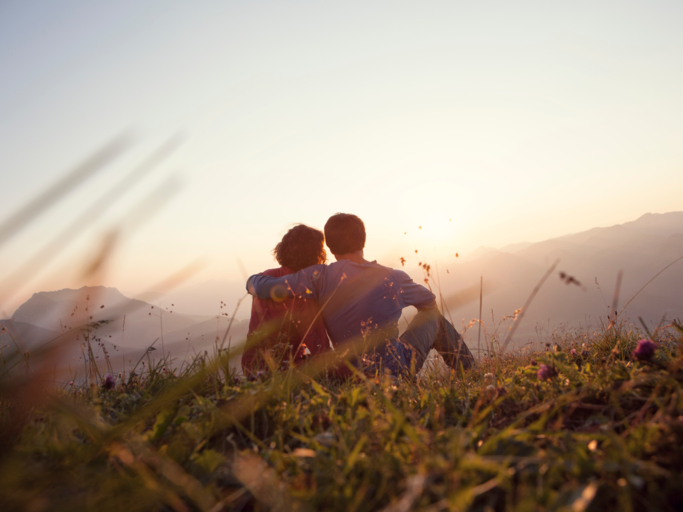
[361,303]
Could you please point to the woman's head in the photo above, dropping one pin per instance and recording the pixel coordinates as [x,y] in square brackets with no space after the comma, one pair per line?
[301,247]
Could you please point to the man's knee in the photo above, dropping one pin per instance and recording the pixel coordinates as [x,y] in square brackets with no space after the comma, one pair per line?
[422,331]
[425,318]
[452,347]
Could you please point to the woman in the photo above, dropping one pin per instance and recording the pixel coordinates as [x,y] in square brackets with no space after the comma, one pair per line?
[287,329]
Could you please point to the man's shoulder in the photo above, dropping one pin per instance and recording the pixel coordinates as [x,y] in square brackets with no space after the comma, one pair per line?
[316,269]
[372,266]
[393,272]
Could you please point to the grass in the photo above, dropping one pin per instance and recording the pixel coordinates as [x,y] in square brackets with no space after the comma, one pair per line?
[604,432]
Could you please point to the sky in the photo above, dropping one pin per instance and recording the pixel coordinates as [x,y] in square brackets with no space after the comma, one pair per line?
[444,125]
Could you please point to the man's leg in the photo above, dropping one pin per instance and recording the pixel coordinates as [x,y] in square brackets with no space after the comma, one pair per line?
[430,330]
[451,346]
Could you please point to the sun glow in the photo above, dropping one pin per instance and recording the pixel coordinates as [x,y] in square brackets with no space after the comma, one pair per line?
[437,226]
[441,215]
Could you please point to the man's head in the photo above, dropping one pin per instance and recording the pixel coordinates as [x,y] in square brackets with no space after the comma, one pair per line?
[344,234]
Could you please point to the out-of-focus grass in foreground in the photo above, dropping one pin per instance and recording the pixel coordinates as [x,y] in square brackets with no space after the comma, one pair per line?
[603,430]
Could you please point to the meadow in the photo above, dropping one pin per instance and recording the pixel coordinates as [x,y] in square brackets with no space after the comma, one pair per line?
[585,421]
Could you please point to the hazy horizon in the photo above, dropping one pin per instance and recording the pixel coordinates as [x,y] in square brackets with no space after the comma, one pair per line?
[487,125]
[640,250]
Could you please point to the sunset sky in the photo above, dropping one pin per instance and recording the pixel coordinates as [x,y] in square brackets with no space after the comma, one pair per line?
[518,121]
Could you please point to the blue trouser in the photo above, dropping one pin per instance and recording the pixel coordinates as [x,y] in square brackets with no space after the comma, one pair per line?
[428,330]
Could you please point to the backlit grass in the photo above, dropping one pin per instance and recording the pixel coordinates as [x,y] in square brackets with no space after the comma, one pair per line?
[603,430]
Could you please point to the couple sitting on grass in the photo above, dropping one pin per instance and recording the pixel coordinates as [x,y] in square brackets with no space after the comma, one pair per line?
[358,303]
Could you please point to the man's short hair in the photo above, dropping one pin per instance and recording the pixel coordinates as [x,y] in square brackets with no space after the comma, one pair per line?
[344,233]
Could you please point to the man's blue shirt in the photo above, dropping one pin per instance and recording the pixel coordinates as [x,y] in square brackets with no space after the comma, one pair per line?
[353,297]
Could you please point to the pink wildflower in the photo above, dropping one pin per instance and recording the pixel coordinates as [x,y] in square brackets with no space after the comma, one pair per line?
[546,372]
[645,350]
[109,382]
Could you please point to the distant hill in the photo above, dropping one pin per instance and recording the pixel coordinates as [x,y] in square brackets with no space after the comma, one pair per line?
[61,351]
[640,249]
[516,247]
[25,335]
[59,310]
[207,297]
[56,318]
[207,335]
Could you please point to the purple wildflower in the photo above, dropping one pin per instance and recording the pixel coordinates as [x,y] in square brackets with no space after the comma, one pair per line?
[645,350]
[546,372]
[109,382]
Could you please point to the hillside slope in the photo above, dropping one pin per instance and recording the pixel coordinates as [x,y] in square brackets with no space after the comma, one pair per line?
[640,249]
[64,309]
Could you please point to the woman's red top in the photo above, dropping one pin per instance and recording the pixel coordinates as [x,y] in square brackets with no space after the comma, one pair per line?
[275,320]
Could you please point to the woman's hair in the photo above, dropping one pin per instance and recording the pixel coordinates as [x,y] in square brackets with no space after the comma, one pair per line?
[345,233]
[301,247]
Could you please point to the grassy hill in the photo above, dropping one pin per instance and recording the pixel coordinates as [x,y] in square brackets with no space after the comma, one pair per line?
[599,427]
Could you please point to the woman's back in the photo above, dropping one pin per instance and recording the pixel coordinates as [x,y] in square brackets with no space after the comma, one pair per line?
[292,324]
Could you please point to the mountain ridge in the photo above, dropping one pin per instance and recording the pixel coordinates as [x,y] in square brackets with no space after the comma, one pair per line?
[639,248]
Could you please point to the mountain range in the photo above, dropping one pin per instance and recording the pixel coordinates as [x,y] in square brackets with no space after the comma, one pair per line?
[637,250]
[125,328]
